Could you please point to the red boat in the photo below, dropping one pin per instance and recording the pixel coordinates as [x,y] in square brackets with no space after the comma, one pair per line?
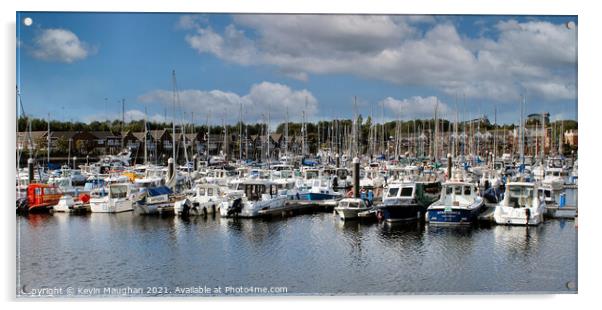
[40,198]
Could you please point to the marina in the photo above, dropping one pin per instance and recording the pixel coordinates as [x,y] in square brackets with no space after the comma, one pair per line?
[171,180]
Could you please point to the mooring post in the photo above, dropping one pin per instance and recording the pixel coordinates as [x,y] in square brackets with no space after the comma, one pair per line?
[170,168]
[195,162]
[356,177]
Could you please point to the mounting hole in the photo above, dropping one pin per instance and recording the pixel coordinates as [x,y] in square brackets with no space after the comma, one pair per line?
[27,21]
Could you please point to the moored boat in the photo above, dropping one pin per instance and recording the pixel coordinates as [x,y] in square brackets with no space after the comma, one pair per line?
[407,201]
[459,204]
[521,205]
[114,199]
[349,208]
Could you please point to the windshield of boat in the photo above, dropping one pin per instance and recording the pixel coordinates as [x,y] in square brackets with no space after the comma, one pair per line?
[520,191]
[352,204]
[341,173]
[393,192]
[286,174]
[119,191]
[406,192]
[311,174]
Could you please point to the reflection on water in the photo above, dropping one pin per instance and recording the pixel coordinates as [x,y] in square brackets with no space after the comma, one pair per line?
[314,253]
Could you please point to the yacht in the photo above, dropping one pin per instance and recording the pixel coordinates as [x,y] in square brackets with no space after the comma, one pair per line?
[521,205]
[460,203]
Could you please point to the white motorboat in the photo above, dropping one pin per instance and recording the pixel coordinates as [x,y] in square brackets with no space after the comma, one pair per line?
[521,205]
[348,208]
[155,200]
[202,200]
[117,198]
[253,196]
[68,204]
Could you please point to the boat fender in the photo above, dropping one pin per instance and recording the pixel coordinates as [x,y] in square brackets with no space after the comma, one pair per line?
[379,215]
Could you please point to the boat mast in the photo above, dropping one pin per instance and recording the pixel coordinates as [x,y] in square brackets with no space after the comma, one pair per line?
[494,133]
[173,121]
[145,136]
[48,144]
[286,134]
[240,135]
[522,132]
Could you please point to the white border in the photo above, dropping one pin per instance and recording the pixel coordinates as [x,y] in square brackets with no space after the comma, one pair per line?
[589,106]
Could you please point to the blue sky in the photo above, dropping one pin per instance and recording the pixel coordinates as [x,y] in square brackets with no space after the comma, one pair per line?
[68,63]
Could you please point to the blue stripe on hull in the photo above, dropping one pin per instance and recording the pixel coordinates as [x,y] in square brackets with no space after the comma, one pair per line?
[455,216]
[317,196]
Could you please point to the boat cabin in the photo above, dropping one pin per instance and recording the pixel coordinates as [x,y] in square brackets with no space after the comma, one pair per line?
[42,195]
[519,194]
[255,190]
[458,193]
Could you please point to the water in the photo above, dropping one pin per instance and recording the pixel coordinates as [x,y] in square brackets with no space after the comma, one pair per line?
[307,254]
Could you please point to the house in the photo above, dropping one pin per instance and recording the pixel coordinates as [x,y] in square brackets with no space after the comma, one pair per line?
[106,141]
[38,140]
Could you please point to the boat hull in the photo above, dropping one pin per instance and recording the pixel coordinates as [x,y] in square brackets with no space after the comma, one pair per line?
[188,208]
[318,196]
[149,209]
[104,206]
[453,216]
[349,213]
[518,216]
[251,209]
[401,213]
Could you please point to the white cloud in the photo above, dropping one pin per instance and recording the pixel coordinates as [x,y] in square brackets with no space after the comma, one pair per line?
[263,98]
[415,107]
[529,56]
[59,45]
[129,115]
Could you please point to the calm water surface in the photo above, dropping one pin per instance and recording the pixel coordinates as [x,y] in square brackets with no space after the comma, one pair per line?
[307,254]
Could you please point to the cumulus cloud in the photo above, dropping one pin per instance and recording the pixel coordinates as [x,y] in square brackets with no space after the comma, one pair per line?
[59,45]
[262,98]
[515,57]
[415,107]
[129,115]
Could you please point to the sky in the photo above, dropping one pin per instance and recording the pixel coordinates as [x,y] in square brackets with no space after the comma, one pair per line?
[80,66]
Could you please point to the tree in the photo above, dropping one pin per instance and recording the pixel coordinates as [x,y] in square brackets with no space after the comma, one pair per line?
[62,145]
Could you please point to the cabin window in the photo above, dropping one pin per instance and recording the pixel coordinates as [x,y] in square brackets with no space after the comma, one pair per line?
[202,191]
[449,190]
[210,192]
[406,192]
[458,190]
[311,174]
[118,192]
[393,192]
[467,190]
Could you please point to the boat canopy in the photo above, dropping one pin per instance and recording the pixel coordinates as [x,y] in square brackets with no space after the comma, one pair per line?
[158,191]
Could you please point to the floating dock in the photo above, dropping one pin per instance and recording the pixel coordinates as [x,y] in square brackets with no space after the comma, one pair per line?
[298,206]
